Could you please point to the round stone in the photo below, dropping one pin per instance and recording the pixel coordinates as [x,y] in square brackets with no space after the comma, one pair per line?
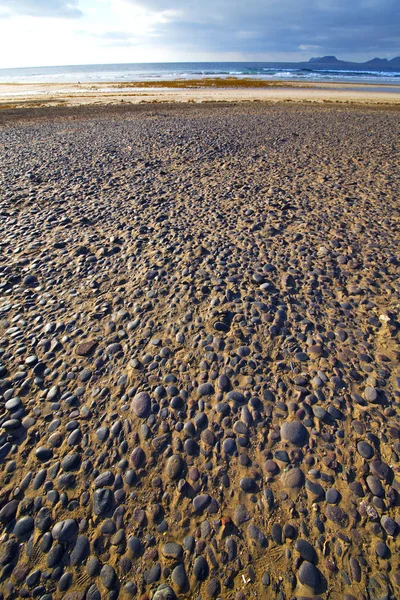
[200,568]
[201,502]
[80,551]
[141,405]
[205,389]
[43,454]
[248,485]
[138,458]
[381,549]
[172,550]
[365,450]
[223,383]
[179,576]
[114,348]
[164,592]
[306,551]
[23,527]
[213,588]
[294,478]
[295,433]
[63,531]
[370,394]
[175,466]
[108,577]
[135,545]
[309,576]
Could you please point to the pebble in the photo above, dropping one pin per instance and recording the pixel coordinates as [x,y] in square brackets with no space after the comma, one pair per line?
[295,433]
[306,551]
[175,466]
[172,550]
[23,527]
[200,568]
[294,478]
[141,405]
[201,502]
[309,576]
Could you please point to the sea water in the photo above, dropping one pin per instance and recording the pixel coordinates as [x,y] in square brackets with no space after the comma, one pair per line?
[268,71]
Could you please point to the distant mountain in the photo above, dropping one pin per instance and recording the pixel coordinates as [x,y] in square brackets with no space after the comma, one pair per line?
[327,60]
[375,63]
[384,63]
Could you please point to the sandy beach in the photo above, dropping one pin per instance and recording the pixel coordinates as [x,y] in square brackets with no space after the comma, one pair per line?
[199,343]
[195,91]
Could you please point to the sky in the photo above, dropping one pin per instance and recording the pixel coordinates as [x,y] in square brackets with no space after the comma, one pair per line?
[73,32]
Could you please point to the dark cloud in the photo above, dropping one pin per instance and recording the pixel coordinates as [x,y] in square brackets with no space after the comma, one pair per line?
[271,26]
[43,8]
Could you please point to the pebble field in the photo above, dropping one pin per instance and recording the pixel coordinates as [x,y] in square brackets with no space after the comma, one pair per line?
[199,353]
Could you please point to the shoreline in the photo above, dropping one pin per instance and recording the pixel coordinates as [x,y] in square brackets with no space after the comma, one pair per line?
[192,91]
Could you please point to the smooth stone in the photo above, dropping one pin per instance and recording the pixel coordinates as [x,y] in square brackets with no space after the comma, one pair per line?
[375,486]
[135,545]
[8,512]
[80,551]
[205,389]
[108,577]
[24,527]
[276,533]
[292,479]
[365,450]
[223,383]
[172,550]
[175,466]
[295,433]
[201,502]
[381,549]
[236,396]
[248,485]
[306,551]
[63,531]
[332,496]
[200,568]
[213,588]
[164,592]
[229,446]
[153,574]
[103,501]
[370,394]
[114,348]
[257,535]
[141,405]
[389,525]
[179,576]
[309,576]
[138,458]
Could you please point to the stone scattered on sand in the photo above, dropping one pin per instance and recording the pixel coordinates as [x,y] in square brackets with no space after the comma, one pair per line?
[199,362]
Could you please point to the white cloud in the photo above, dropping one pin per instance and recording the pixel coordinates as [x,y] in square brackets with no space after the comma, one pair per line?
[42,8]
[43,32]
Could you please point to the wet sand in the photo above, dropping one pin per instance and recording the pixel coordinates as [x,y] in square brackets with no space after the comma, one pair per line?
[193,91]
[199,352]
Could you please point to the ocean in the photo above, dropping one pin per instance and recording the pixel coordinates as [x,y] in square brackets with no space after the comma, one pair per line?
[307,72]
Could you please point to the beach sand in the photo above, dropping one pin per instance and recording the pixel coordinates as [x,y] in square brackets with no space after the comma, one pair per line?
[194,91]
[199,351]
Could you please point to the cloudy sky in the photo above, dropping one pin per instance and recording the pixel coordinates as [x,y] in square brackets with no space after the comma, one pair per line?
[59,32]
